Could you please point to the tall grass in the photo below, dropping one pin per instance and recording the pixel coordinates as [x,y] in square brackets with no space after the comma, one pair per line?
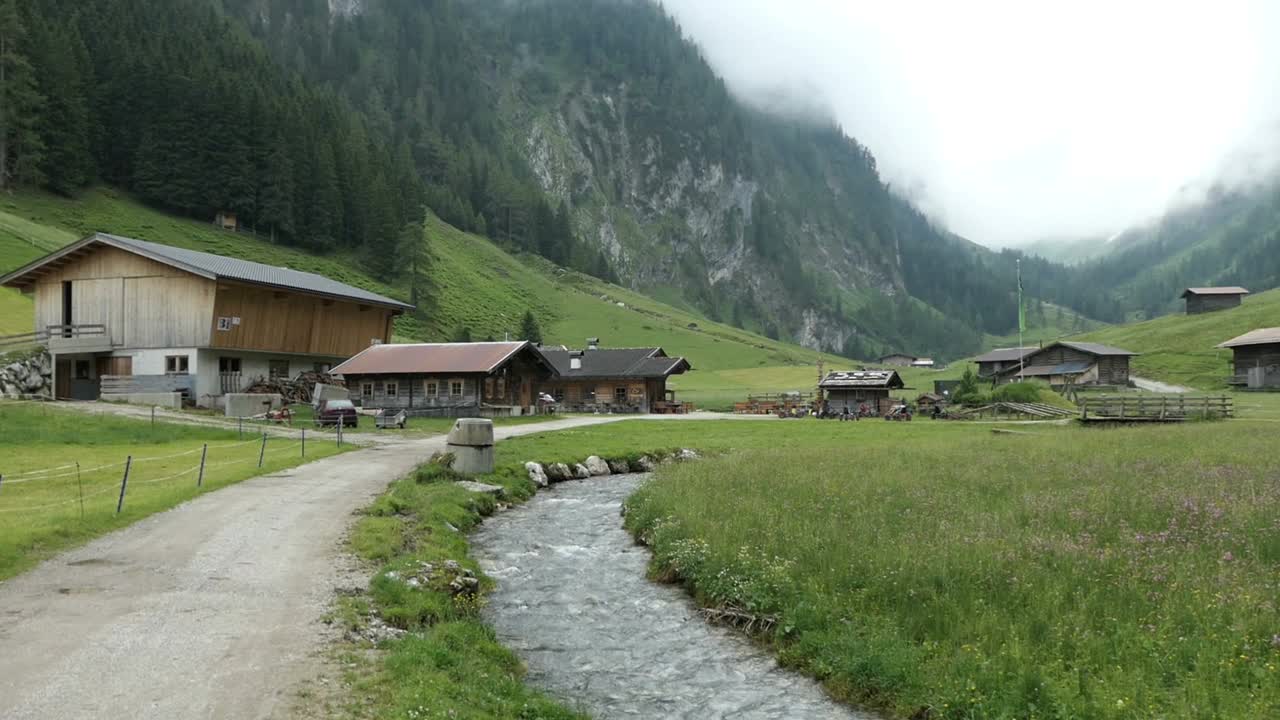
[1081,574]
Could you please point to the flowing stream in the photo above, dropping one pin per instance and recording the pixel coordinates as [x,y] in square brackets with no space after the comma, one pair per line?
[573,602]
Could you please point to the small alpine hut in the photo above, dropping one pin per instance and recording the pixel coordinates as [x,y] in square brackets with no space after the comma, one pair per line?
[992,363]
[928,401]
[898,359]
[614,379]
[855,388]
[484,379]
[1208,299]
[1257,358]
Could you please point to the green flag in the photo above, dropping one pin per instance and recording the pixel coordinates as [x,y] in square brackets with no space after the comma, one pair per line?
[1022,312]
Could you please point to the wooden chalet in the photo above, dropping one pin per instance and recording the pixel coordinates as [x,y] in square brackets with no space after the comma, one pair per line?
[1072,363]
[1209,299]
[122,317]
[854,389]
[1256,358]
[483,379]
[614,379]
[993,363]
[898,360]
[926,402]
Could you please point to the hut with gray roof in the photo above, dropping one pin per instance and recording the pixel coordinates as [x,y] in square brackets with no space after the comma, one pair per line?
[1256,361]
[1210,299]
[1071,363]
[853,390]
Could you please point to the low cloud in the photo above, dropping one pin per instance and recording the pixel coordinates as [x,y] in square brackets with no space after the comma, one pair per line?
[1013,121]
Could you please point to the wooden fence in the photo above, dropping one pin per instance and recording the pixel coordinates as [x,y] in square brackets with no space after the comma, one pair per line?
[1147,408]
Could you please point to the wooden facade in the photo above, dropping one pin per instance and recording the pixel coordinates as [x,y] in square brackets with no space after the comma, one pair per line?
[256,318]
[877,400]
[1064,363]
[619,394]
[1203,300]
[898,360]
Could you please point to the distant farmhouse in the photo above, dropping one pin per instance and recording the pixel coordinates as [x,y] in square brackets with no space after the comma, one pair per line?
[853,389]
[614,379]
[1209,299]
[122,316]
[1256,358]
[922,363]
[1070,363]
[509,378]
[993,363]
[898,360]
[448,379]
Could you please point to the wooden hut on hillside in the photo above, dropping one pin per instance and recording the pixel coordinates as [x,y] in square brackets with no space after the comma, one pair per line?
[897,359]
[1072,363]
[614,379]
[1256,361]
[993,363]
[1208,299]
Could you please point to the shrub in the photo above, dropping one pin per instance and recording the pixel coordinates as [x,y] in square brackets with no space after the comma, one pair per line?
[1019,392]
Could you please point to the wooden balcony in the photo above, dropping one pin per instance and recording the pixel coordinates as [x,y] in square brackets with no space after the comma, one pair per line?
[66,339]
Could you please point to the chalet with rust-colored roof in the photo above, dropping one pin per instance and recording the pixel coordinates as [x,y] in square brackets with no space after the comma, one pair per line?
[614,379]
[1256,361]
[853,390]
[124,318]
[449,379]
[1209,299]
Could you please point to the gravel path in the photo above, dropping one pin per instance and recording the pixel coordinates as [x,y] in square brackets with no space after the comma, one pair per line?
[209,610]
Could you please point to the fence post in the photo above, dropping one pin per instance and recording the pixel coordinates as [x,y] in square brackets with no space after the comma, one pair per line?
[304,442]
[203,453]
[342,421]
[1,478]
[240,422]
[128,462]
[153,416]
[80,485]
[263,450]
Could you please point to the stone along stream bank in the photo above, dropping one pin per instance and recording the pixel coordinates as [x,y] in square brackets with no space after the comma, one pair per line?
[573,602]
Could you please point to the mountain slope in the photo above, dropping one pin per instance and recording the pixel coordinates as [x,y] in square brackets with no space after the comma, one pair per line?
[475,284]
[1180,349]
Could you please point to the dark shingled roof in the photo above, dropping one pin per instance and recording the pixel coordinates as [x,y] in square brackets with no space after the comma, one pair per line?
[216,267]
[1262,336]
[862,378]
[1092,348]
[616,363]
[1226,290]
[1005,354]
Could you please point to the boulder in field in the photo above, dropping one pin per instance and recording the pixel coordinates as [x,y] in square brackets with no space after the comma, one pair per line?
[597,466]
[559,472]
[536,474]
[581,472]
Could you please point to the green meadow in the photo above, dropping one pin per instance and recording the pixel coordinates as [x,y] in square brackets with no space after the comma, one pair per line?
[62,473]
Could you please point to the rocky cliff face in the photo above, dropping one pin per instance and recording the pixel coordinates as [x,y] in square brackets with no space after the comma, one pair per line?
[670,217]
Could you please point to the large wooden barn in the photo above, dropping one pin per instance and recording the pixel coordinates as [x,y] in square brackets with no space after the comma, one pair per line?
[993,363]
[131,316]
[449,379]
[613,379]
[855,389]
[1072,363]
[1208,299]
[1256,361]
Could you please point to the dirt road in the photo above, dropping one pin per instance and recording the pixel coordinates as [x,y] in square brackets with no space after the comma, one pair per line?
[209,610]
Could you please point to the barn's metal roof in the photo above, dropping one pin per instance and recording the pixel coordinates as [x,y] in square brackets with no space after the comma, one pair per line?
[1261,336]
[1074,368]
[214,267]
[1225,290]
[649,362]
[1005,354]
[433,358]
[1092,348]
[862,378]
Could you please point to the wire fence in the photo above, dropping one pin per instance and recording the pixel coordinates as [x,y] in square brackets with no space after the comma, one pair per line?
[72,488]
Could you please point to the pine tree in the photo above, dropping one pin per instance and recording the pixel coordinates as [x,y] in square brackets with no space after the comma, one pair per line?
[21,104]
[529,329]
[62,67]
[415,262]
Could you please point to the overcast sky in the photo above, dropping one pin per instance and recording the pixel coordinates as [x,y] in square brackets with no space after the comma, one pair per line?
[1016,121]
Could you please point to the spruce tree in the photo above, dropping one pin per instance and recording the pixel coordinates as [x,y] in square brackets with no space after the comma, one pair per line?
[529,329]
[21,104]
[62,68]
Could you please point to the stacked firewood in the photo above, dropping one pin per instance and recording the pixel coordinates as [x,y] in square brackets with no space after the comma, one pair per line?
[298,390]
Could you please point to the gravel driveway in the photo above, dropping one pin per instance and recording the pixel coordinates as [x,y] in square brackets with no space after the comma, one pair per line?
[209,610]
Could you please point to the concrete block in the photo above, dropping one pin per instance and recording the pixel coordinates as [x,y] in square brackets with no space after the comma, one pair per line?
[473,432]
[472,460]
[172,401]
[250,404]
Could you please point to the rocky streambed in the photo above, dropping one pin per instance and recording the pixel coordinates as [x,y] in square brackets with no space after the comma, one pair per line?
[574,603]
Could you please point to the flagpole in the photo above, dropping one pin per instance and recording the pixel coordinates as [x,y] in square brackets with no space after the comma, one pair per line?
[1021,355]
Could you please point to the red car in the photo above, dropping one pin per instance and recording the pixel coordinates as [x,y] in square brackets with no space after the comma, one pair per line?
[337,411]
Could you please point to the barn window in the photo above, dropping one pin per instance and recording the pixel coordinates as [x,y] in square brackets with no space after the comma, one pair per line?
[366,390]
[559,394]
[228,364]
[278,369]
[392,389]
[82,369]
[433,388]
[322,367]
[620,394]
[177,364]
[455,388]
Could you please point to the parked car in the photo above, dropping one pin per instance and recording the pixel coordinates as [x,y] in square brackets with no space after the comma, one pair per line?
[333,412]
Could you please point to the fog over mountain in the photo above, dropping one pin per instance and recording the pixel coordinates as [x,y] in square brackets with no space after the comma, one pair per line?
[1012,121]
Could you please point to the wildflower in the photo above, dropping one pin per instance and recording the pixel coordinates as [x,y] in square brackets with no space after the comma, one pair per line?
[1228,557]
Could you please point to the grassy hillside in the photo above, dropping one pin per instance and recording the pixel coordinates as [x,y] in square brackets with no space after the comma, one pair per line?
[476,285]
[1180,348]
